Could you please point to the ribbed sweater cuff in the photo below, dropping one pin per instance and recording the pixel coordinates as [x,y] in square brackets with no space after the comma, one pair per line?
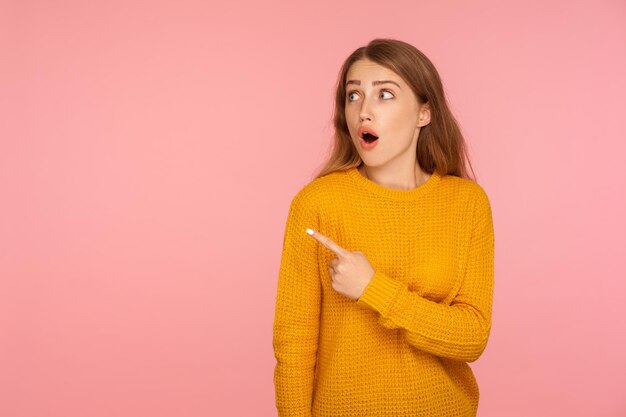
[379,292]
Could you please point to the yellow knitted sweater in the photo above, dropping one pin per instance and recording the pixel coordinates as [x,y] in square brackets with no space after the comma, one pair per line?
[402,348]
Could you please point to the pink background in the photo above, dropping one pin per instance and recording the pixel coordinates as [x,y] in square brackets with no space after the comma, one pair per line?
[149,153]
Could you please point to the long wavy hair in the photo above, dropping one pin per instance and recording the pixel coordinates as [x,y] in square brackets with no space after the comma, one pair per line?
[440,146]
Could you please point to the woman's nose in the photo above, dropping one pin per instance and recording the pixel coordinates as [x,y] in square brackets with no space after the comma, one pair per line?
[365,111]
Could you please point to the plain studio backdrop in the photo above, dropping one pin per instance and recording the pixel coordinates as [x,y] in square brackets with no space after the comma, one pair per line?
[150,150]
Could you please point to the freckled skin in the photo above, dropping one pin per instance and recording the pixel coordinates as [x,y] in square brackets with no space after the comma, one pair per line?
[395,115]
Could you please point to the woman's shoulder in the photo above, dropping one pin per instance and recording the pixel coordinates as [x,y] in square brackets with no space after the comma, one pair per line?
[321,189]
[455,187]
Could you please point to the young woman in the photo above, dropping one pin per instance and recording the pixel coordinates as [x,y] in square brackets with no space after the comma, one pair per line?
[386,278]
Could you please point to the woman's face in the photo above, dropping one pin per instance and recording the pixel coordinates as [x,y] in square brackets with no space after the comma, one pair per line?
[390,109]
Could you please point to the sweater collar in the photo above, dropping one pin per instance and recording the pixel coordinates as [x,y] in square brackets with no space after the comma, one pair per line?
[392,193]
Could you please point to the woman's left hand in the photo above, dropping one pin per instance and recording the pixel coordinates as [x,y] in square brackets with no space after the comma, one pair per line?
[350,271]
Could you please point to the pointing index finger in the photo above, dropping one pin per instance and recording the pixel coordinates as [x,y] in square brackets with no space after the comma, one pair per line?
[328,242]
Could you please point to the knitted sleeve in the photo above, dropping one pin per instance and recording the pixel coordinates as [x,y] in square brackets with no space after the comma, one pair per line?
[297,313]
[457,331]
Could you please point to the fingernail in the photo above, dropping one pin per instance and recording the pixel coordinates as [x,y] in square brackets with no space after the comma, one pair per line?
[309,231]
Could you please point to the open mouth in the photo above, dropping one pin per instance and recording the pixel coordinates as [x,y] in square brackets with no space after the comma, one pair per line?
[368,137]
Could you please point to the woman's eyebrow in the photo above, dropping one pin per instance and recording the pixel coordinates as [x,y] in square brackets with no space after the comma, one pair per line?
[358,82]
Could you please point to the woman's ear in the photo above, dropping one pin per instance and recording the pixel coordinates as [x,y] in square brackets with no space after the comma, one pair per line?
[424,115]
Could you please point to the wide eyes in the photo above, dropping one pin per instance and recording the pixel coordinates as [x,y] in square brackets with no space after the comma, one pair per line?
[390,95]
